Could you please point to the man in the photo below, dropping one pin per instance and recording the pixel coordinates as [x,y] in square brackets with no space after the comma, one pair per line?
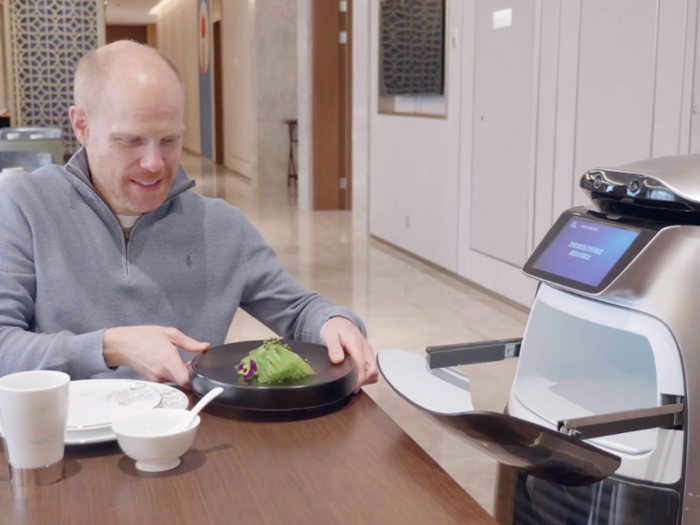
[109,267]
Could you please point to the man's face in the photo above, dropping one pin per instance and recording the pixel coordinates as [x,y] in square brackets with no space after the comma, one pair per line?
[133,141]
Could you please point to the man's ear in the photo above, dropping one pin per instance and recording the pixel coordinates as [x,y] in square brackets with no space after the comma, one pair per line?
[78,120]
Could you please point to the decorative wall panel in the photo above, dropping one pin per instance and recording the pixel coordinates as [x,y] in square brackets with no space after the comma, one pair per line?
[412,47]
[45,42]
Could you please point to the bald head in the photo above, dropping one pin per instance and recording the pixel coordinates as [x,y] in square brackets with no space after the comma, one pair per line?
[129,117]
[124,65]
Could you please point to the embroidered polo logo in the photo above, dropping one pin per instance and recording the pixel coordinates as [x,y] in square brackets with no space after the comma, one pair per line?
[189,261]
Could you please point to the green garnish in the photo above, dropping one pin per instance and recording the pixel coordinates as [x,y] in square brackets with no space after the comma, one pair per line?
[274,362]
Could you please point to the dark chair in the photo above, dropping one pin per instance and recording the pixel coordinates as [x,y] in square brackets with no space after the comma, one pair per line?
[27,160]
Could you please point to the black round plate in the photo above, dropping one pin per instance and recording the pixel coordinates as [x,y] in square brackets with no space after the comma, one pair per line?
[218,366]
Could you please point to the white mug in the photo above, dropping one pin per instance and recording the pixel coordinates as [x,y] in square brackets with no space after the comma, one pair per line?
[34,415]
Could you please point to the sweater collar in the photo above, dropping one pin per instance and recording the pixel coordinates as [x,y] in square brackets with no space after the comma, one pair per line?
[78,165]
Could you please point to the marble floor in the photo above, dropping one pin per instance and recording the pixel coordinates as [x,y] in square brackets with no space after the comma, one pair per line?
[404,303]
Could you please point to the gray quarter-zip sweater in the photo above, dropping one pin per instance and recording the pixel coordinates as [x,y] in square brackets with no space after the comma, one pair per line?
[67,273]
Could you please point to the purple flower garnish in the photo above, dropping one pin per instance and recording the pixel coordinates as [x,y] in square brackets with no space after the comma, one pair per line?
[248,371]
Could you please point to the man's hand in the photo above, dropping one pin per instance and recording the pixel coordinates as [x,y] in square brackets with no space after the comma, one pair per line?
[341,336]
[150,351]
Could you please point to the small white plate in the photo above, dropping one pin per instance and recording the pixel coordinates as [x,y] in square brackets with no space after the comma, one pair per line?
[95,403]
[171,398]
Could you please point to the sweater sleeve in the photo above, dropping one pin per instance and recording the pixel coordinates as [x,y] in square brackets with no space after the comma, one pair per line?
[277,300]
[21,347]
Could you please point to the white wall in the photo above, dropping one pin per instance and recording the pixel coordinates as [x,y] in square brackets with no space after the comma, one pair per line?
[239,80]
[361,111]
[177,39]
[259,62]
[3,79]
[276,87]
[571,85]
[414,164]
[304,97]
[121,14]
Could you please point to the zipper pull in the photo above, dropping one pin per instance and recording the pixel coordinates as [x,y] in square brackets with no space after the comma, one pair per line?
[126,235]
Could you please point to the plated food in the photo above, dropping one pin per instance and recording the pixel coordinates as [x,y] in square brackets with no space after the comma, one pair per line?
[273,375]
[274,362]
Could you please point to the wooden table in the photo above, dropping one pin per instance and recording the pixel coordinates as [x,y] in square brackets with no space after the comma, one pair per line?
[354,466]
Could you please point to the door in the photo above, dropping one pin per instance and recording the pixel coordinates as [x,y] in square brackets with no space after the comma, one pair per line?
[331,104]
[502,124]
[115,32]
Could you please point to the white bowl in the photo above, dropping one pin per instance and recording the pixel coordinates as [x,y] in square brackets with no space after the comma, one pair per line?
[145,437]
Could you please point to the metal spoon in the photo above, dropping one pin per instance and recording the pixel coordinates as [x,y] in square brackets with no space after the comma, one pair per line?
[197,409]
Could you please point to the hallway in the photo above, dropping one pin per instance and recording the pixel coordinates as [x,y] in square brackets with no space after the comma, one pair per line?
[404,303]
